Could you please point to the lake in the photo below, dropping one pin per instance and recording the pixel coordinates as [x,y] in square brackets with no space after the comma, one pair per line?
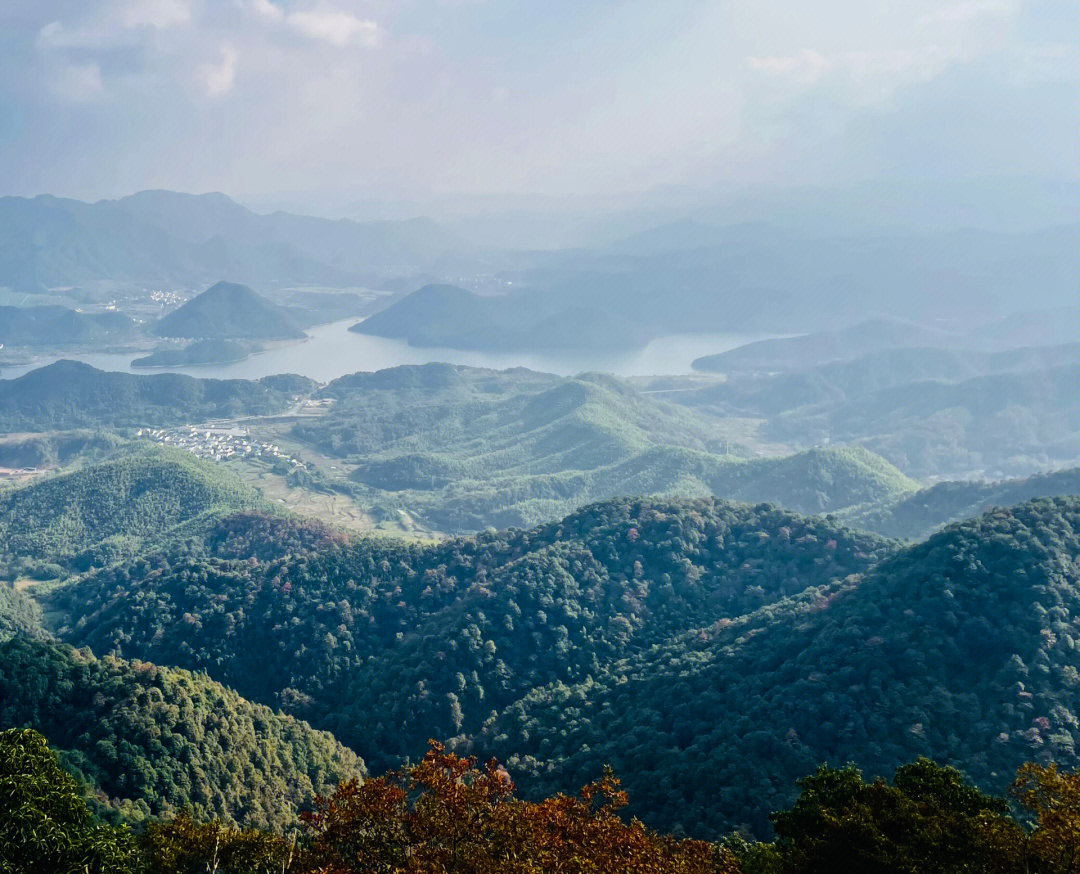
[332,350]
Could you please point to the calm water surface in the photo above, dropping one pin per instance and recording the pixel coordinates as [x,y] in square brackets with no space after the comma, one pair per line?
[332,350]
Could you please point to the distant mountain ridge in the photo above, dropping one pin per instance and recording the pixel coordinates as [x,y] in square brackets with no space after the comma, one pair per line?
[824,347]
[158,237]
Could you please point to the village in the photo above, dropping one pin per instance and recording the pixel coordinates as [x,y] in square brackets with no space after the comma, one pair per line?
[220,443]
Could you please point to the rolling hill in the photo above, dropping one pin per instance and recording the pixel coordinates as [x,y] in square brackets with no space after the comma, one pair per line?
[116,509]
[958,648]
[199,352]
[462,448]
[730,648]
[917,515]
[444,315]
[813,350]
[69,394]
[999,425]
[387,643]
[154,741]
[228,311]
[59,326]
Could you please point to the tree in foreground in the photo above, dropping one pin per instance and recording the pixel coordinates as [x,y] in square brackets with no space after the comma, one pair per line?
[1053,798]
[183,846]
[45,824]
[927,820]
[446,814]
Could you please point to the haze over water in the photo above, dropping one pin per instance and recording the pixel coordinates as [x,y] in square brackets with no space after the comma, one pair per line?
[332,350]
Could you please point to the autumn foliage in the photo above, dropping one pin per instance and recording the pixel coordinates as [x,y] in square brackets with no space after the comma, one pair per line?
[447,814]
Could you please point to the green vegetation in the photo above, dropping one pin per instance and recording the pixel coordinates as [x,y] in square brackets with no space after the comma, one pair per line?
[387,643]
[461,449]
[19,614]
[45,825]
[449,813]
[68,394]
[153,741]
[229,311]
[199,352]
[941,412]
[959,648]
[107,512]
[847,381]
[56,448]
[916,516]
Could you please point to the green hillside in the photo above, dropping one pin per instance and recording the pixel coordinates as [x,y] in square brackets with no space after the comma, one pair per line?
[55,448]
[462,449]
[69,394]
[960,648]
[810,387]
[917,515]
[227,310]
[113,510]
[388,643]
[710,652]
[19,614]
[1002,424]
[154,741]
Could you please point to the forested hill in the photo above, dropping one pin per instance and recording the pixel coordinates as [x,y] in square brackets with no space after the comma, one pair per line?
[69,394]
[227,310]
[154,741]
[961,648]
[387,643]
[464,448]
[102,513]
[917,515]
[19,615]
[59,326]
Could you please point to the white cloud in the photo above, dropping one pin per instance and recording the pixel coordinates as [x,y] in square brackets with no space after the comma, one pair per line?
[55,35]
[218,78]
[338,28]
[322,23]
[968,10]
[268,9]
[806,66]
[79,83]
[902,65]
[158,14]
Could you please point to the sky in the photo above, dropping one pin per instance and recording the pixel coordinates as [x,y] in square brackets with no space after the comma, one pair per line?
[330,100]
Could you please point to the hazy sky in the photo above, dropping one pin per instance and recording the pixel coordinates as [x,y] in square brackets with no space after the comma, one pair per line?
[410,98]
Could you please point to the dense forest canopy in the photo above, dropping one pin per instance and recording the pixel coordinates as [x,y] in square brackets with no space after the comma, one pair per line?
[152,741]
[386,643]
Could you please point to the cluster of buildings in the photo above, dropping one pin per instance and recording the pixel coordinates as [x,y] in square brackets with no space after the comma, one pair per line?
[220,444]
[167,299]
